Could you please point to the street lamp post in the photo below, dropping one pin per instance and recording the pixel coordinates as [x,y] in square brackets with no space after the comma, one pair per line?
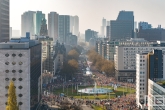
[77,89]
[67,90]
[72,88]
[63,86]
[123,90]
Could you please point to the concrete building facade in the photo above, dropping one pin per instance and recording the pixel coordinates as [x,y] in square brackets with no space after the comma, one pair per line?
[63,27]
[151,34]
[21,63]
[149,71]
[125,60]
[27,23]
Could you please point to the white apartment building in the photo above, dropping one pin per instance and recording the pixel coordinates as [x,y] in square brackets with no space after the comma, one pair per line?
[145,71]
[21,63]
[131,42]
[141,76]
[125,60]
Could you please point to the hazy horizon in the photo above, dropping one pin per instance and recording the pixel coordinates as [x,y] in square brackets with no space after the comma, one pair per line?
[90,12]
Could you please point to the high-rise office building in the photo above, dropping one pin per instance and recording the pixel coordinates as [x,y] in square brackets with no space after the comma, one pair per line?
[71,39]
[27,23]
[47,53]
[153,34]
[31,22]
[74,25]
[135,25]
[63,27]
[37,17]
[108,34]
[90,34]
[144,25]
[20,61]
[53,25]
[103,27]
[123,27]
[4,20]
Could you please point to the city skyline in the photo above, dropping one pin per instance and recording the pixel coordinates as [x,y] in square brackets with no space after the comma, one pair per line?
[90,12]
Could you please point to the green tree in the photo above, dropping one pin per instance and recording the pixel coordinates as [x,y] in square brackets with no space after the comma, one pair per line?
[12,99]
[73,54]
[73,64]
[108,68]
[69,68]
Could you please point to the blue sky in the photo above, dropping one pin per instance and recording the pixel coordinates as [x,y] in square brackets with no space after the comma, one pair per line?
[91,12]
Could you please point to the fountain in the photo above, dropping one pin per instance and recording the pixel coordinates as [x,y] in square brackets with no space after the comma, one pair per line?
[95,90]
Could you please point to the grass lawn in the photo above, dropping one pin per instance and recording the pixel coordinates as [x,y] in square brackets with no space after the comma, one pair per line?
[97,107]
[119,91]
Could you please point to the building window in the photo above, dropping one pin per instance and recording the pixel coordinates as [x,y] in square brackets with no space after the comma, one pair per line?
[20,95]
[7,79]
[7,87]
[13,63]
[20,71]
[6,95]
[20,103]
[20,87]
[20,55]
[20,63]
[13,79]
[7,63]
[13,55]
[20,79]
[7,55]
[13,71]
[7,71]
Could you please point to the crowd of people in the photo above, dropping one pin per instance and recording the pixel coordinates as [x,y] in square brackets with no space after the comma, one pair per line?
[125,102]
[103,80]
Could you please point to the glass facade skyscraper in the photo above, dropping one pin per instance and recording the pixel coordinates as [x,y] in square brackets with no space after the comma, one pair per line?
[4,20]
[38,16]
[63,27]
[123,27]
